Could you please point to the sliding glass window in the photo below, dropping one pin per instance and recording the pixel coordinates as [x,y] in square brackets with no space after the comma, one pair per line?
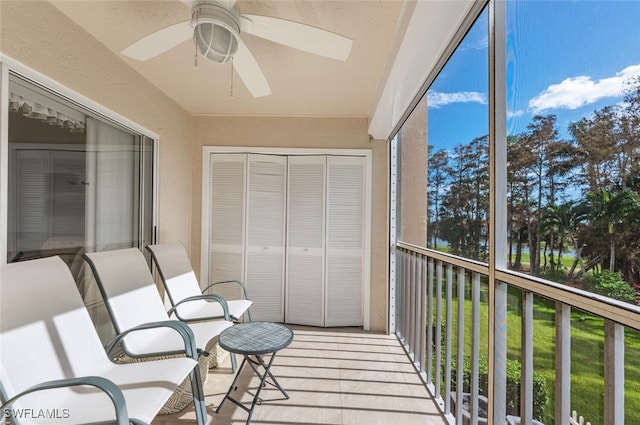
[77,182]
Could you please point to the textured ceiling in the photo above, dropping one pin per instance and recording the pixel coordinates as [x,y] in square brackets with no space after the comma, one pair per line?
[302,84]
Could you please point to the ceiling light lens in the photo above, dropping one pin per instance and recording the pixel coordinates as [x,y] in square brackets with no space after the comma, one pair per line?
[216,31]
[215,42]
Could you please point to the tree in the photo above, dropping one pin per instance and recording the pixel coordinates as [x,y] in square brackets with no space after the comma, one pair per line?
[629,134]
[565,220]
[466,202]
[611,211]
[519,160]
[438,178]
[545,166]
[595,146]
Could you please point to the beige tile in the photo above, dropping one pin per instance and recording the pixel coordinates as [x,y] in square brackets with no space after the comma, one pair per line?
[303,406]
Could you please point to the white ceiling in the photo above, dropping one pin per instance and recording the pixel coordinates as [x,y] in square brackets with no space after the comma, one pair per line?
[302,84]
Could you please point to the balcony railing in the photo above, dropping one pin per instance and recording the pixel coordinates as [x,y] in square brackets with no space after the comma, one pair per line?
[434,292]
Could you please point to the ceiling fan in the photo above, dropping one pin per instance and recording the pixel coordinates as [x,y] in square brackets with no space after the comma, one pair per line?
[216,28]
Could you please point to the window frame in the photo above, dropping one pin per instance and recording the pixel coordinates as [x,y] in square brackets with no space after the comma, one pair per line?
[10,66]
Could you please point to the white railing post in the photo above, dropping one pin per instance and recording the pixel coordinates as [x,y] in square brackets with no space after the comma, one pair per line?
[423,312]
[411,313]
[526,369]
[475,348]
[438,337]
[430,336]
[563,362]
[460,352]
[447,336]
[613,373]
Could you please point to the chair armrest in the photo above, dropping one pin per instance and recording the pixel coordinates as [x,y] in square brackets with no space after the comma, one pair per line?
[103,384]
[190,349]
[215,297]
[245,294]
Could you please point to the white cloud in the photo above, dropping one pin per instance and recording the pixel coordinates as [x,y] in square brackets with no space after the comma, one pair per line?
[437,99]
[575,92]
[512,114]
[481,44]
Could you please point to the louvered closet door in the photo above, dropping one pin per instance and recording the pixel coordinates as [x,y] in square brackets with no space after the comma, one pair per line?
[31,196]
[345,218]
[67,212]
[306,235]
[265,236]
[226,221]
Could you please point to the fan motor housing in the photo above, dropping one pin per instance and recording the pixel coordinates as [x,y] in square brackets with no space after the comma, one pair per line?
[216,31]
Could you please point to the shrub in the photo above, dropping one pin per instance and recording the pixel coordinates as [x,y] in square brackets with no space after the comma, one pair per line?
[540,391]
[559,276]
[609,284]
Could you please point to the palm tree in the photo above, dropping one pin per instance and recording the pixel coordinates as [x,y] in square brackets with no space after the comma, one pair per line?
[609,210]
[564,221]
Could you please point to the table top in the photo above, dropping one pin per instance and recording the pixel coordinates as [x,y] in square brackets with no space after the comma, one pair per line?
[254,338]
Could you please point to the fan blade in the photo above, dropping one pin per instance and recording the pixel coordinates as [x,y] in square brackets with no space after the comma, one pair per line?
[249,71]
[299,36]
[190,3]
[193,3]
[159,41]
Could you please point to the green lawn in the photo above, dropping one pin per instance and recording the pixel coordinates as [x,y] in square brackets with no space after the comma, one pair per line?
[566,260]
[525,259]
[587,356]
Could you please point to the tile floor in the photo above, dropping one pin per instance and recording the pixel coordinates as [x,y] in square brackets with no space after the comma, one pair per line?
[333,376]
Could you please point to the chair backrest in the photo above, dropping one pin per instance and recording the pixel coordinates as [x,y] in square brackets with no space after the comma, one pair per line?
[45,329]
[175,269]
[130,295]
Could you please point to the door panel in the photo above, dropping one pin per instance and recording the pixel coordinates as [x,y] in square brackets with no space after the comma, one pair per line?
[265,236]
[226,222]
[345,206]
[306,235]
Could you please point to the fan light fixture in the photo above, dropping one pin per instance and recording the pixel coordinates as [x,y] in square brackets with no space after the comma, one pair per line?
[216,31]
[216,27]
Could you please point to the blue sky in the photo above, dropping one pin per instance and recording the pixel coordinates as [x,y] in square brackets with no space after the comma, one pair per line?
[566,58]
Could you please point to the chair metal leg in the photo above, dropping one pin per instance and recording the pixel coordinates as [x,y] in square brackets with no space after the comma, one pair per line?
[198,396]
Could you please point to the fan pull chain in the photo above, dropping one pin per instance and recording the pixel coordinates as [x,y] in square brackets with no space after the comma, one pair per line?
[231,88]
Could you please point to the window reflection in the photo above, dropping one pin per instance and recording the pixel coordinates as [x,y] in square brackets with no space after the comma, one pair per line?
[76,184]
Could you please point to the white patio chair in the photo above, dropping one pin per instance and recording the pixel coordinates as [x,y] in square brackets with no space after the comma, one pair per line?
[53,367]
[188,302]
[132,298]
